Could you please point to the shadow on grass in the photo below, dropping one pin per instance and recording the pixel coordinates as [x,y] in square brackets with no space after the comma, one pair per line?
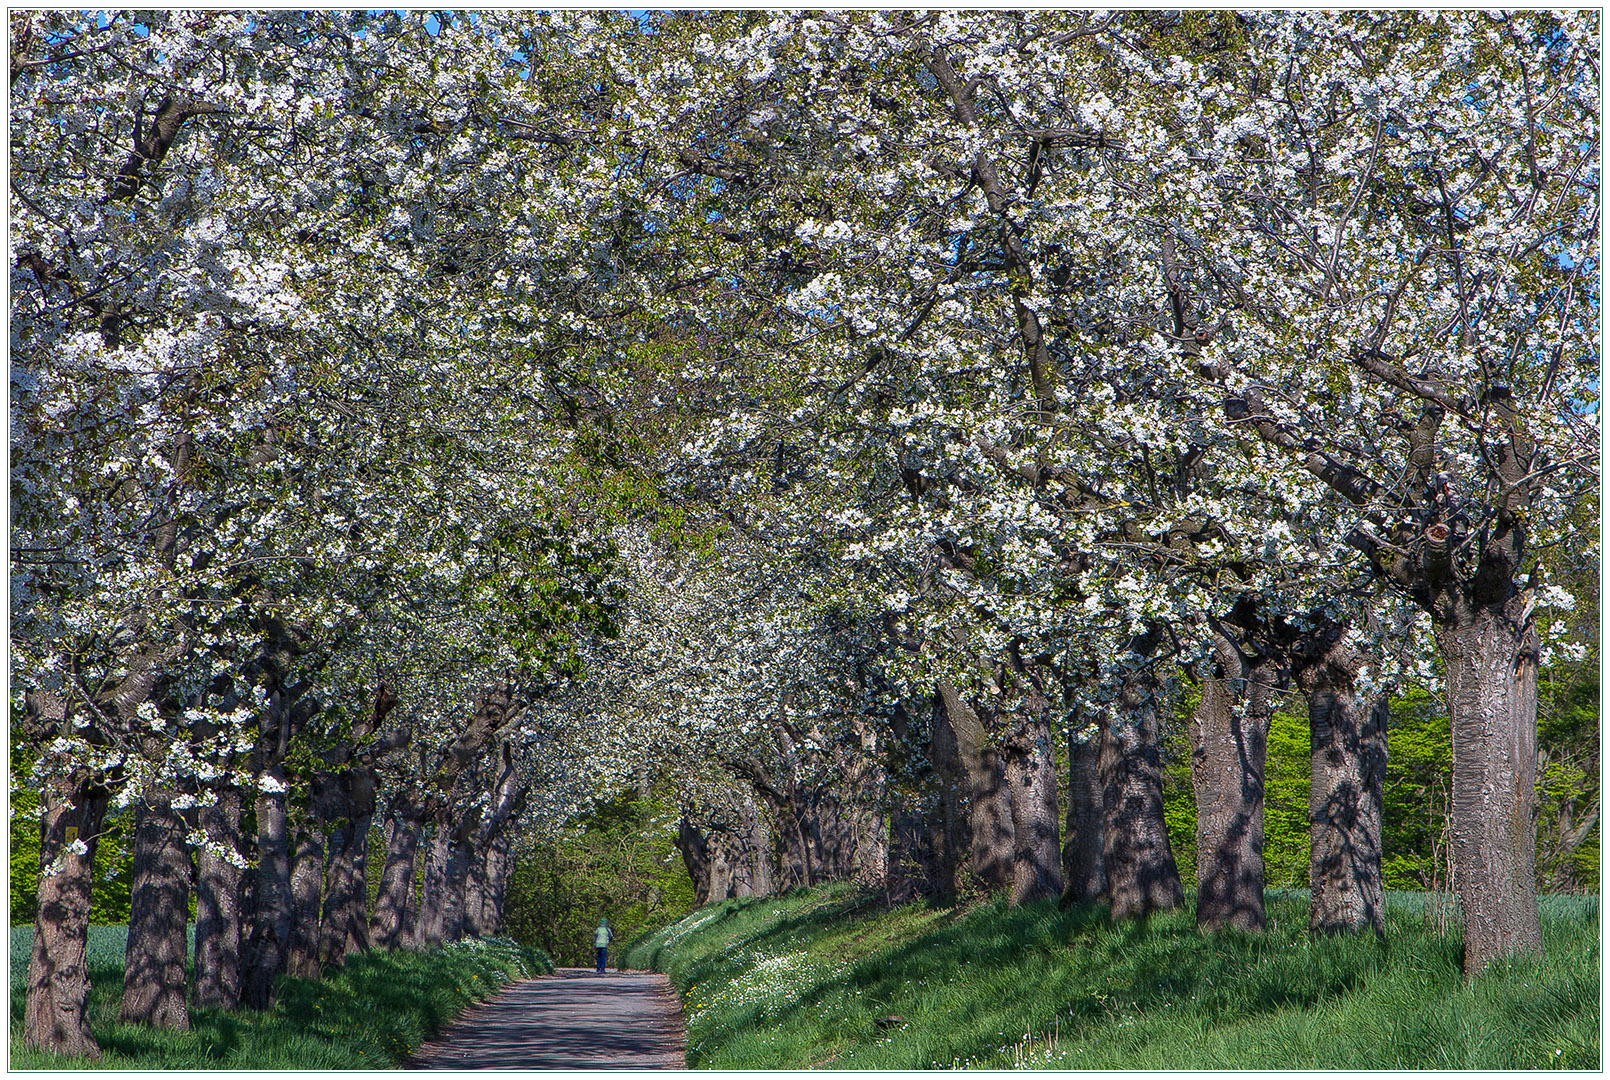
[371,1013]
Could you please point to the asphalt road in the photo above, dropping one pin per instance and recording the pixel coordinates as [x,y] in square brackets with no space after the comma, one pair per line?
[572,1019]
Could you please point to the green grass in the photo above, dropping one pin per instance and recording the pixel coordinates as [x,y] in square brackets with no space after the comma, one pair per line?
[801,981]
[370,1014]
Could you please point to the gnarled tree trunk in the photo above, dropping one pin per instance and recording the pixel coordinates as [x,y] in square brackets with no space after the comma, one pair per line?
[71,814]
[988,796]
[218,913]
[430,926]
[1081,856]
[1229,745]
[695,849]
[154,964]
[345,927]
[1490,653]
[404,822]
[1141,875]
[1031,774]
[307,887]
[1348,770]
[271,924]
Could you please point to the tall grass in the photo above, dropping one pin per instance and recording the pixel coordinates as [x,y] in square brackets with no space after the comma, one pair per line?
[830,978]
[370,1014]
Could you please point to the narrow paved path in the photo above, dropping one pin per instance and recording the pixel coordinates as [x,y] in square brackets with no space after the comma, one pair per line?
[572,1019]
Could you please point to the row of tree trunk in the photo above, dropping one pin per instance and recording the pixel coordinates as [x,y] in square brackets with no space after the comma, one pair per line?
[304,906]
[984,817]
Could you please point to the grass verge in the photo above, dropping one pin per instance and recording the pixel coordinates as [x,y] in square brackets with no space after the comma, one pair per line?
[370,1014]
[831,978]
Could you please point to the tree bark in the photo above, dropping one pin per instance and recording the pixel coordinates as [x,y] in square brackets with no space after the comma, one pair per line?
[988,795]
[762,859]
[1229,745]
[345,927]
[272,915]
[154,963]
[1141,875]
[695,849]
[71,814]
[403,825]
[271,925]
[218,914]
[500,865]
[307,887]
[1490,653]
[720,868]
[430,921]
[460,857]
[1081,857]
[1348,770]
[1032,777]
[951,829]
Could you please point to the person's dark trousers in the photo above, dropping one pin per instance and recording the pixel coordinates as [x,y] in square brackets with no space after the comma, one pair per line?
[602,953]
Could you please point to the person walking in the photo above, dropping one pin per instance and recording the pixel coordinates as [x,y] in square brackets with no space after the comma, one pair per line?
[601,939]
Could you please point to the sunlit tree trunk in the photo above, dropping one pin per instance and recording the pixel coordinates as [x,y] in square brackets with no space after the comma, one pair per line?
[1348,771]
[430,923]
[1032,776]
[271,922]
[307,888]
[989,799]
[695,849]
[1137,861]
[1229,745]
[1490,653]
[71,814]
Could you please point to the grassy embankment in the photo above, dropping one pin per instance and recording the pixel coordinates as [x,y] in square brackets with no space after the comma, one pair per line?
[370,1014]
[831,978]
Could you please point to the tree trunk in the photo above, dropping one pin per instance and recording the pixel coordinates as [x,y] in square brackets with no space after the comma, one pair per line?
[1348,769]
[1141,876]
[71,813]
[1031,773]
[460,857]
[307,886]
[951,829]
[159,899]
[720,887]
[743,881]
[218,914]
[430,924]
[500,864]
[1081,858]
[475,895]
[794,866]
[1229,744]
[397,876]
[690,841]
[762,873]
[271,924]
[345,928]
[988,795]
[1490,654]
